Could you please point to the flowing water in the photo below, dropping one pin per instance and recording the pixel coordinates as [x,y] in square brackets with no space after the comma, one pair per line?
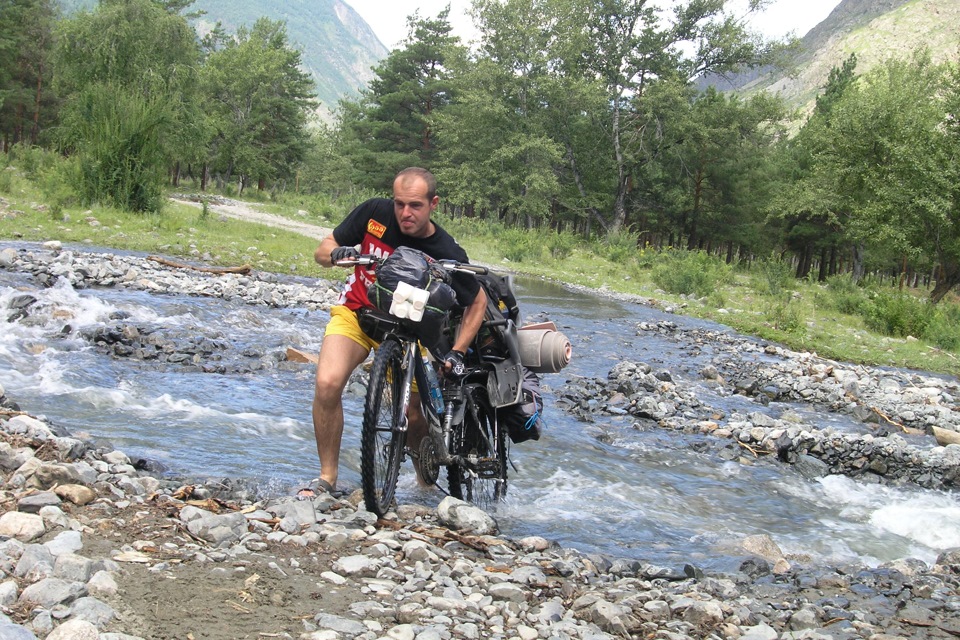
[652,495]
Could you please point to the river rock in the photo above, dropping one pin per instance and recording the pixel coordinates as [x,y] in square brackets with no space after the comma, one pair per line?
[22,526]
[463,516]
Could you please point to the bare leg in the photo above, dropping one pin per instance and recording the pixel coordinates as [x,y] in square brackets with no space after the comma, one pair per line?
[416,431]
[339,356]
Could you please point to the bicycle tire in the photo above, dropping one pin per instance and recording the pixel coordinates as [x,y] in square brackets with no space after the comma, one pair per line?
[381,439]
[482,441]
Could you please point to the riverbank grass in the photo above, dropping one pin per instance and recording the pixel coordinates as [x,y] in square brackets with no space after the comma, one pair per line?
[179,230]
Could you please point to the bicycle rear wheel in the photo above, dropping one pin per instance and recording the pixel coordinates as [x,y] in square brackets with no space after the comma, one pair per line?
[483,479]
[381,439]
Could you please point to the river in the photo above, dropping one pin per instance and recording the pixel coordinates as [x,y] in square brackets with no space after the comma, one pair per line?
[599,486]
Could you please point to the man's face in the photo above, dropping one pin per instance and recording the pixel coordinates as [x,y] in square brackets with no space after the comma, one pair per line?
[412,207]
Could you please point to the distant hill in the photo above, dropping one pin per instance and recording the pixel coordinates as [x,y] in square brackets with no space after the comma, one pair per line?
[875,30]
[338,47]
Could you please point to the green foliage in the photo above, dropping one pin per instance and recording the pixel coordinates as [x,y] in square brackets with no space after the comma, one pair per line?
[129,71]
[619,247]
[27,104]
[257,100]
[690,272]
[561,245]
[392,128]
[6,180]
[775,275]
[844,295]
[518,245]
[33,161]
[51,172]
[943,329]
[786,314]
[116,136]
[896,314]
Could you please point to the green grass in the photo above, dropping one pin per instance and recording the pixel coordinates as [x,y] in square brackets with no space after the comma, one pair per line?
[828,319]
[178,230]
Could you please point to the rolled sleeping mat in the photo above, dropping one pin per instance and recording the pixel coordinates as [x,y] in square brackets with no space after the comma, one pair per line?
[544,350]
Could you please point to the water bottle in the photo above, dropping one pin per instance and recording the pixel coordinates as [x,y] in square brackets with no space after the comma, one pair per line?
[436,396]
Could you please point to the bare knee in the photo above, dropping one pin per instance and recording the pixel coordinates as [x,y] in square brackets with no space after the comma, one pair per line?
[327,392]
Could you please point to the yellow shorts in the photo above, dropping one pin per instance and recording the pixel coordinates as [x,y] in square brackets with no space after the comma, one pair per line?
[343,322]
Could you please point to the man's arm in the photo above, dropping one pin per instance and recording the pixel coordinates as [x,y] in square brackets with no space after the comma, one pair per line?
[322,253]
[472,319]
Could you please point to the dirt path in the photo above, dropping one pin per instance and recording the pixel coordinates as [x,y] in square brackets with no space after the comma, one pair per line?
[243,211]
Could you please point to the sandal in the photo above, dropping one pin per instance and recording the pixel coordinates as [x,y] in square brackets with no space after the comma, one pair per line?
[318,484]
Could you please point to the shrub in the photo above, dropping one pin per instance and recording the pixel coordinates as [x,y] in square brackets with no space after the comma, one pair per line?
[619,248]
[690,272]
[943,330]
[518,245]
[116,137]
[561,245]
[33,161]
[775,276]
[844,295]
[896,314]
[786,315]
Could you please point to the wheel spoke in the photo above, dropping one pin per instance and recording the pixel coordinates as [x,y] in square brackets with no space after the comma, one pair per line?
[483,479]
[382,437]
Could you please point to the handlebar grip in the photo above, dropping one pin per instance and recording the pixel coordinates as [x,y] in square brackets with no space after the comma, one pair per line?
[453,265]
[362,261]
[494,323]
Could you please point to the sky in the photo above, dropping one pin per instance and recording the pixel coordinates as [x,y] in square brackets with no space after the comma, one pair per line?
[388,18]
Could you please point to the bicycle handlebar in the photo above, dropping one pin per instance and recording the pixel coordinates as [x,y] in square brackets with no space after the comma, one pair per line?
[367,260]
[359,261]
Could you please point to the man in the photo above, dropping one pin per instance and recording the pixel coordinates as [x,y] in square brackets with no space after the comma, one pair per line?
[379,226]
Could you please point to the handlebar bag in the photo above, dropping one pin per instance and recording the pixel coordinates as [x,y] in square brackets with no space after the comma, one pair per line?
[418,270]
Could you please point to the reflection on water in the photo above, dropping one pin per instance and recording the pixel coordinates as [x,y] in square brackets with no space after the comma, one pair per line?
[602,486]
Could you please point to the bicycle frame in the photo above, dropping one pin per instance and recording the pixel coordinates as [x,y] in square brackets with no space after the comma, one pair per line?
[464,437]
[441,426]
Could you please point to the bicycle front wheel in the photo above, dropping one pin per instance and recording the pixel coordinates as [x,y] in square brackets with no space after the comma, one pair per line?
[482,478]
[382,438]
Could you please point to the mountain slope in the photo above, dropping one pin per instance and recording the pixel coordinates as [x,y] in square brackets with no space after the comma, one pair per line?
[875,30]
[338,48]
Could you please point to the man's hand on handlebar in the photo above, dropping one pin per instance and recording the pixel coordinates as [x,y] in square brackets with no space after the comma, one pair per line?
[343,253]
[453,362]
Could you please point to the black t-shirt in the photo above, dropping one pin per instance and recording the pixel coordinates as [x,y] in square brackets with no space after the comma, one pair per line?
[373,225]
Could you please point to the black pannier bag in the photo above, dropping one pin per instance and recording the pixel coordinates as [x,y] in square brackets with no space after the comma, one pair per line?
[524,420]
[501,303]
[406,266]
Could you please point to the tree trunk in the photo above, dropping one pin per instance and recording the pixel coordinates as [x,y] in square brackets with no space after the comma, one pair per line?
[949,278]
[203,177]
[18,124]
[35,133]
[858,256]
[822,274]
[578,180]
[804,262]
[620,201]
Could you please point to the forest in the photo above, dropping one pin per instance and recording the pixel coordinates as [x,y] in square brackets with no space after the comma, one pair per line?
[569,119]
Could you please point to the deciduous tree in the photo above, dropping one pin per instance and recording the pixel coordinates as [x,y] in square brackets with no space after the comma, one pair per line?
[259,101]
